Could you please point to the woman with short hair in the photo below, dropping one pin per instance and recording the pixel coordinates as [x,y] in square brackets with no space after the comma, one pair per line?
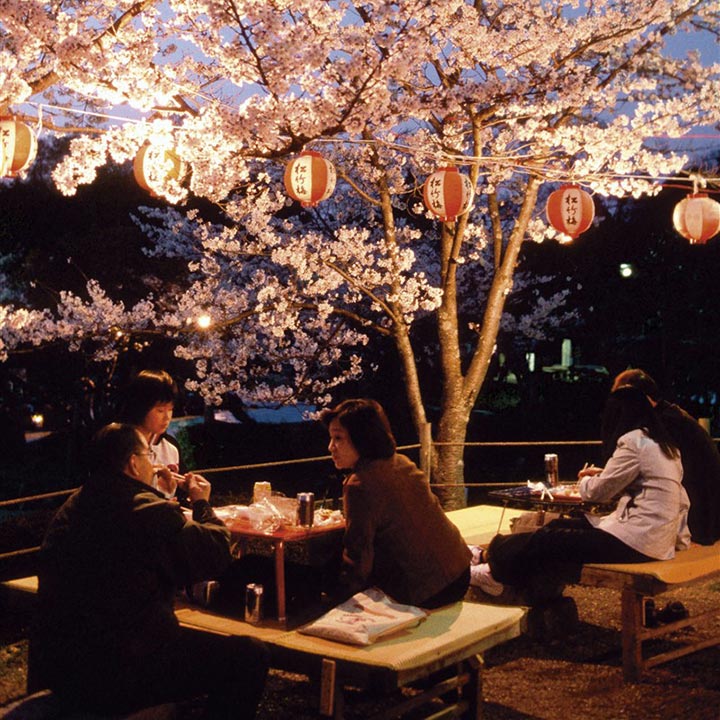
[397,536]
[148,403]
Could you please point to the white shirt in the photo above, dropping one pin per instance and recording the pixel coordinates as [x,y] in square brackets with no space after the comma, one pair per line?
[164,453]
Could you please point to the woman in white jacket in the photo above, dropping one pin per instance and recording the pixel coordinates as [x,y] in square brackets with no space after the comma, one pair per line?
[643,473]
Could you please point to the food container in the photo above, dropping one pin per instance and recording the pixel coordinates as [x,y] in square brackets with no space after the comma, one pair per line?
[305,509]
[253,603]
[551,469]
[261,490]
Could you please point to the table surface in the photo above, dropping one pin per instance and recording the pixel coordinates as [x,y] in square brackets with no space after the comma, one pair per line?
[523,497]
[289,533]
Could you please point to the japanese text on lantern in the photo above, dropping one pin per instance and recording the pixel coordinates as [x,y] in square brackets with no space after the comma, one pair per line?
[300,177]
[435,195]
[571,203]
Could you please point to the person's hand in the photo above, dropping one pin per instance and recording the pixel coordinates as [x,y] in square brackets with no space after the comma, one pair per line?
[588,471]
[196,487]
[167,480]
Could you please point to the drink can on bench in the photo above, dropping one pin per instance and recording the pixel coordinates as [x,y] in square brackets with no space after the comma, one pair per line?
[253,603]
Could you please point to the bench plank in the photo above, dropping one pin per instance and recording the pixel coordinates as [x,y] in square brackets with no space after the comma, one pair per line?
[642,580]
[454,637]
[635,581]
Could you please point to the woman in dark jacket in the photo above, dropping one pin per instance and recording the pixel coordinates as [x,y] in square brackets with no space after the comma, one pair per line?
[397,536]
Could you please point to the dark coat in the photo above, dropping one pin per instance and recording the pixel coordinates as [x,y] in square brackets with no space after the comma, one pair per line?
[111,563]
[701,471]
[397,536]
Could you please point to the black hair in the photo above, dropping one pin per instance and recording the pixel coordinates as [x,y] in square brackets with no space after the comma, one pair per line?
[637,378]
[366,424]
[145,391]
[626,409]
[112,446]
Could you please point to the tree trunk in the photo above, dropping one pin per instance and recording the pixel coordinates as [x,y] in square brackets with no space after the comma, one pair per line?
[448,474]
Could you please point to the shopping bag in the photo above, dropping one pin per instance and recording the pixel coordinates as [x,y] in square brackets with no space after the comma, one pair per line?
[365,618]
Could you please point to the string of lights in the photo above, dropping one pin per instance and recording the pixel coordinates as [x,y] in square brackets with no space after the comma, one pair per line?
[447,193]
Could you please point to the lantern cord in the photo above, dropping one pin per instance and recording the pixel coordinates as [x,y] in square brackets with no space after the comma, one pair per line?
[39,126]
[518,162]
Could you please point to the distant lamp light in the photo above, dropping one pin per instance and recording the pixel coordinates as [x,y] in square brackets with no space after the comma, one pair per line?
[204,321]
[37,419]
[530,359]
[626,270]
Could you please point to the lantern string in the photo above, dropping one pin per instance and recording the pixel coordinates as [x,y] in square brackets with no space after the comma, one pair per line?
[516,162]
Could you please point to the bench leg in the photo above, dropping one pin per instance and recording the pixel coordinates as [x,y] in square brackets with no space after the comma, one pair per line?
[632,627]
[330,691]
[473,691]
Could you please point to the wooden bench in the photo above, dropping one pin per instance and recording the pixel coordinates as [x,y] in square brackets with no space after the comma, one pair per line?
[442,654]
[479,524]
[637,582]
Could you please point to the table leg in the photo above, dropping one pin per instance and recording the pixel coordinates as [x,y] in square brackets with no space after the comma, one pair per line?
[280,579]
[502,515]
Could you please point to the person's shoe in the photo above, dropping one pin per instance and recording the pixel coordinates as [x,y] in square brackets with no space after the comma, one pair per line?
[672,612]
[481,577]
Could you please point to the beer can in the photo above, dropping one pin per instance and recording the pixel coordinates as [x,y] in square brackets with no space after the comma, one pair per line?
[305,509]
[253,603]
[551,469]
[203,593]
[261,490]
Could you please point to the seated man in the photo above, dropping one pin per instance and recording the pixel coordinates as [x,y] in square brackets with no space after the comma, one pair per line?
[107,639]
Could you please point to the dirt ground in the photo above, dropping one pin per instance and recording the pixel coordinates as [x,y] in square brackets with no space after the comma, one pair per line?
[578,677]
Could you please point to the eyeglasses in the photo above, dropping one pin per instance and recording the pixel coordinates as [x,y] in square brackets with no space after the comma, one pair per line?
[149,454]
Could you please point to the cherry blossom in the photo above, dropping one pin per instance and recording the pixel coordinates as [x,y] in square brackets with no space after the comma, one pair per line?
[520,96]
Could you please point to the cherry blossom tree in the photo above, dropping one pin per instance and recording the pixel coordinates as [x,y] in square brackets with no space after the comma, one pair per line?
[519,96]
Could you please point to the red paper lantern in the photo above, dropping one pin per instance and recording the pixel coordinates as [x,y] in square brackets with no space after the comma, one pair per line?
[154,166]
[697,218]
[310,178]
[570,210]
[18,146]
[448,193]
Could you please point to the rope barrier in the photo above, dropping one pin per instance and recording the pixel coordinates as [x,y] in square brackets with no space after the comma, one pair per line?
[32,498]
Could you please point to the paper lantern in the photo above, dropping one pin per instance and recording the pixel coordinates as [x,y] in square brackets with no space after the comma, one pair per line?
[570,210]
[448,193]
[697,218]
[18,146]
[154,166]
[310,178]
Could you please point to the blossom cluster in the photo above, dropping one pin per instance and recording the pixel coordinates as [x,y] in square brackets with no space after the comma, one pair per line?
[508,90]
